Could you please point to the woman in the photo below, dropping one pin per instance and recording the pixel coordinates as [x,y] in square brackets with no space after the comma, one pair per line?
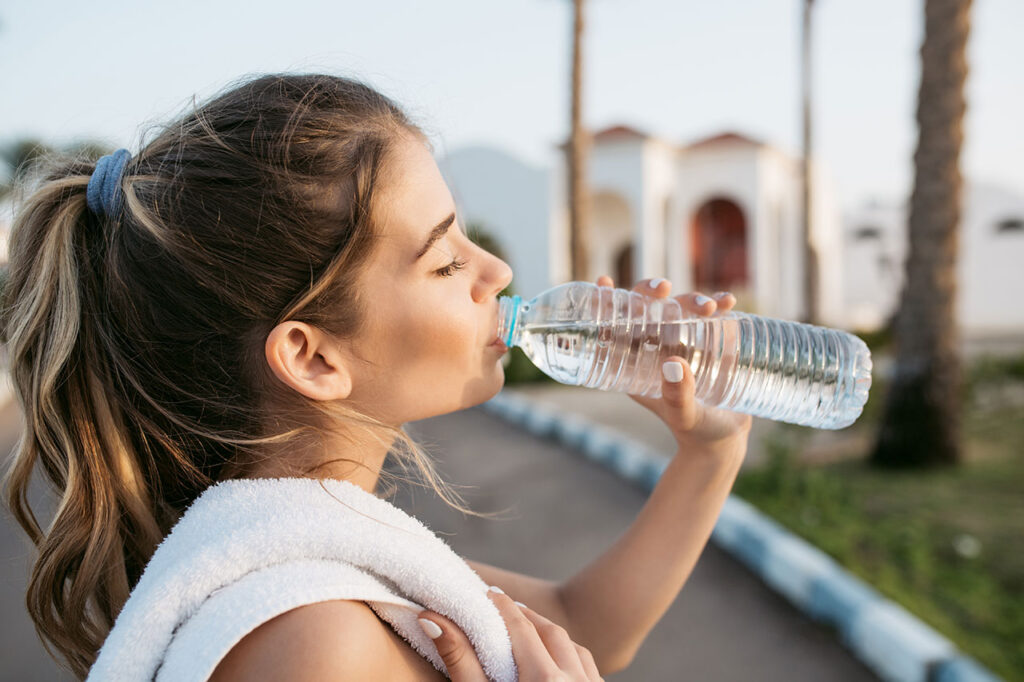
[269,290]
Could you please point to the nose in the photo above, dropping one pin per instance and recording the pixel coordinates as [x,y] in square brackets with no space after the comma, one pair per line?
[495,275]
[505,277]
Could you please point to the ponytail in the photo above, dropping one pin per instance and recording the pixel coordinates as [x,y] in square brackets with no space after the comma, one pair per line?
[104,529]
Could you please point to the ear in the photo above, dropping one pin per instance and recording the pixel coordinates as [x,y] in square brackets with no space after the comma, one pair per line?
[306,359]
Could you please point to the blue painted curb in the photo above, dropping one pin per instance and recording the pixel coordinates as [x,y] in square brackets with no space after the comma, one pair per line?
[963,669]
[886,637]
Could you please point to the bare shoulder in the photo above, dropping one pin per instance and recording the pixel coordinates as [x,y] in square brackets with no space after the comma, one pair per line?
[337,640]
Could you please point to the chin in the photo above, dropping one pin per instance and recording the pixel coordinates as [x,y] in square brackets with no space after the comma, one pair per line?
[499,384]
[486,388]
[475,392]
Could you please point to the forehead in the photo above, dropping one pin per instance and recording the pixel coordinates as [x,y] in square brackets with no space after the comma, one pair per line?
[415,196]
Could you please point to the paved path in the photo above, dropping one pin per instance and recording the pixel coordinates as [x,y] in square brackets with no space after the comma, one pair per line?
[22,654]
[617,411]
[725,625]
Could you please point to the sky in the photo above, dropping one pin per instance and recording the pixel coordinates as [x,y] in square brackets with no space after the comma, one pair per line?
[481,72]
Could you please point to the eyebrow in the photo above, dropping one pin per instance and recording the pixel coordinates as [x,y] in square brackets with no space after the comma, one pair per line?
[436,234]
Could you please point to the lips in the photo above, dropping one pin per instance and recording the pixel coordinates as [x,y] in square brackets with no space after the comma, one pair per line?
[497,339]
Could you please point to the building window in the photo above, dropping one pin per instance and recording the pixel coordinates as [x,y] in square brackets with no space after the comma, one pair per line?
[865,233]
[1010,226]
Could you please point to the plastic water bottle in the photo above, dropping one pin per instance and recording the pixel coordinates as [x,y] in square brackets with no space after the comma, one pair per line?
[617,340]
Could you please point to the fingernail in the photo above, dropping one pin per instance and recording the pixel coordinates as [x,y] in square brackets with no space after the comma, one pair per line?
[520,604]
[432,629]
[673,371]
[495,588]
[655,283]
[721,294]
[702,299]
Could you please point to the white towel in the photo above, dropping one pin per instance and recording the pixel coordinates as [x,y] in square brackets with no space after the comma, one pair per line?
[248,550]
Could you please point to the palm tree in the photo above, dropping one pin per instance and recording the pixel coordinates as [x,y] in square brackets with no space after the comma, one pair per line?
[810,253]
[921,419]
[579,143]
[17,157]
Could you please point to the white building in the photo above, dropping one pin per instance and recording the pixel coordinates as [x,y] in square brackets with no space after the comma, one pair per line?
[723,213]
[990,263]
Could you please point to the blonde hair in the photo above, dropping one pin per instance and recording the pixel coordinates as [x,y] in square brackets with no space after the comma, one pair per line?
[135,342]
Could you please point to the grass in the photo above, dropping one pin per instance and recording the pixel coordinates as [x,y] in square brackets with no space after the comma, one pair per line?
[947,544]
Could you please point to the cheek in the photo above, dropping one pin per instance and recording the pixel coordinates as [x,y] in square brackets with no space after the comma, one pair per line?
[432,342]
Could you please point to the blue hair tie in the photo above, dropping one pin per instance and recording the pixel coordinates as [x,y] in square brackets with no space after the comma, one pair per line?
[103,195]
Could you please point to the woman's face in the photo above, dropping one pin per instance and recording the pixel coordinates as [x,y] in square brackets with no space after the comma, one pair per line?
[431,302]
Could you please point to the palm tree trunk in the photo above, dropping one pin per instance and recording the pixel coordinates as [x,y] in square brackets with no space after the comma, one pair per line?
[921,420]
[579,144]
[810,254]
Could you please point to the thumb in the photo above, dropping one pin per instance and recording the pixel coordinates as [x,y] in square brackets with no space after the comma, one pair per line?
[677,391]
[454,647]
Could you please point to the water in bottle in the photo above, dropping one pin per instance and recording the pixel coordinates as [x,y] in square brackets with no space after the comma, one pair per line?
[616,340]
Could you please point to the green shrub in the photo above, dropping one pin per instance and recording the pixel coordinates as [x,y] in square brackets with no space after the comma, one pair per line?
[904,532]
[520,370]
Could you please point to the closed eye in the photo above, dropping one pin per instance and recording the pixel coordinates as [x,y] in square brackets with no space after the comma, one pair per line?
[451,268]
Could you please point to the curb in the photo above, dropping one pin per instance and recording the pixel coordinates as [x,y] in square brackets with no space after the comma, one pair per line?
[880,633]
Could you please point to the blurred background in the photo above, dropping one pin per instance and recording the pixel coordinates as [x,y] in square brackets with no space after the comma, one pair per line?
[810,157]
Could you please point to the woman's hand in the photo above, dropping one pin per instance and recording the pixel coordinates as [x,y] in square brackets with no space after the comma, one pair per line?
[692,424]
[542,649]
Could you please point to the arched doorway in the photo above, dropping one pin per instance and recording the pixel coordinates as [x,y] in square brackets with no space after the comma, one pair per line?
[624,267]
[718,246]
